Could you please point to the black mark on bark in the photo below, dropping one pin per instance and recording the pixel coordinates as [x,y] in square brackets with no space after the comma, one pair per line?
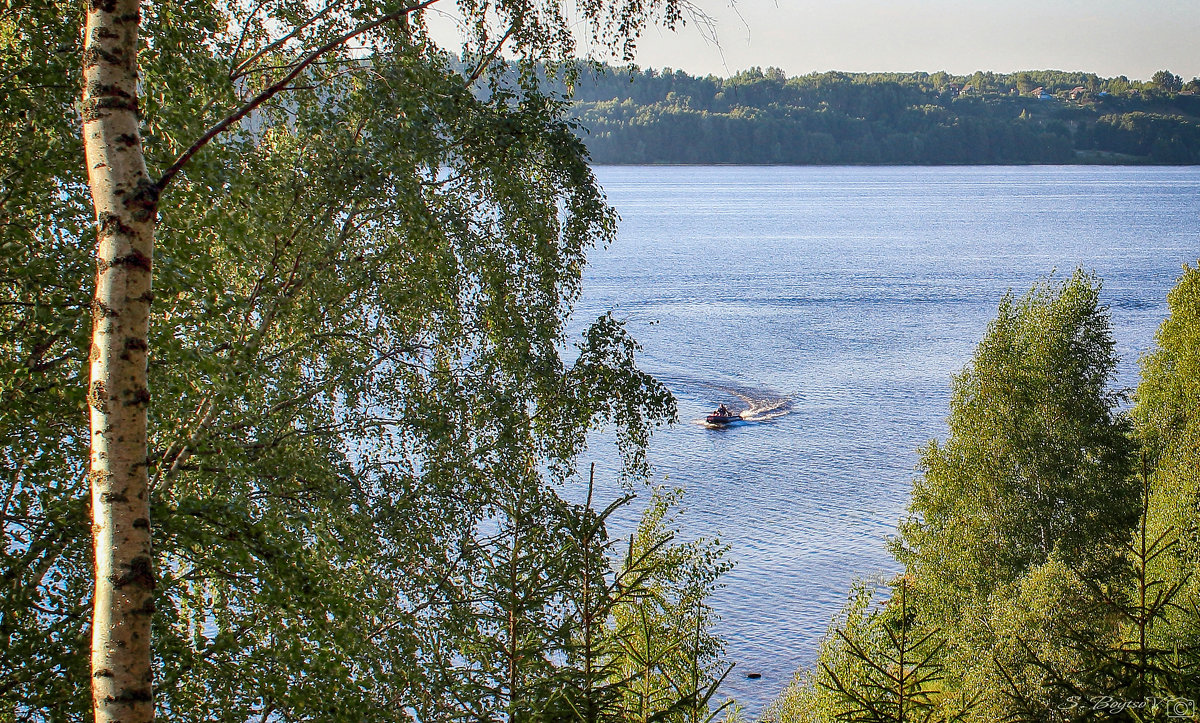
[139,573]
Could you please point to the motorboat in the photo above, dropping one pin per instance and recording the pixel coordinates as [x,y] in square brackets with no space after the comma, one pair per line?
[723,416]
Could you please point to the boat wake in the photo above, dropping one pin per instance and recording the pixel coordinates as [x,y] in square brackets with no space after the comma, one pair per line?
[762,405]
[764,409]
[754,404]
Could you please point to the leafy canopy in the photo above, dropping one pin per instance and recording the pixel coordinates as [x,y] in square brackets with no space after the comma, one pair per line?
[1037,460]
[357,357]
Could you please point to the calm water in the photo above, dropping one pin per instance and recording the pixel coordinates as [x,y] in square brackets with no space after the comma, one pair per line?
[834,304]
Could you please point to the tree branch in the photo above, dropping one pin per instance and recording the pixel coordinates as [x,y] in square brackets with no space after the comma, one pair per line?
[278,86]
[238,70]
[487,60]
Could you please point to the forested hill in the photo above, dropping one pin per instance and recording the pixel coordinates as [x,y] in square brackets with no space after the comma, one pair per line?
[631,116]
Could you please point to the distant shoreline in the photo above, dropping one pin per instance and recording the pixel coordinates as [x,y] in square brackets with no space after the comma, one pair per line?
[632,117]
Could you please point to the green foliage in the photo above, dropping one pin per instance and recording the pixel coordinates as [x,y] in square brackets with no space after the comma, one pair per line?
[879,663]
[1168,420]
[1163,138]
[45,305]
[667,656]
[884,118]
[636,629]
[360,410]
[1075,631]
[898,673]
[1037,460]
[1031,489]
[1167,80]
[1057,578]
[1123,643]
[555,598]
[1027,660]
[1151,656]
[394,283]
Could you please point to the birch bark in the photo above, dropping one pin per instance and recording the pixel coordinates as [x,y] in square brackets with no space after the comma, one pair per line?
[125,203]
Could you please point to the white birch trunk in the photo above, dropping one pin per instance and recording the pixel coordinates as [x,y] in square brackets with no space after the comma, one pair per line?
[125,202]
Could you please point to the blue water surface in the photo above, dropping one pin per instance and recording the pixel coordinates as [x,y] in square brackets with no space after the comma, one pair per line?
[833,304]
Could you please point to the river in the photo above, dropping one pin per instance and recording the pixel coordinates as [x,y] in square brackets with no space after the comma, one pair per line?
[834,304]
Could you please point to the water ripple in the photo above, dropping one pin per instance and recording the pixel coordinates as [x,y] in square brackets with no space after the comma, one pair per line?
[832,305]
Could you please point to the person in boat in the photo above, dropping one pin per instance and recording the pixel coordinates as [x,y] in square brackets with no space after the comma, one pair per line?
[723,411]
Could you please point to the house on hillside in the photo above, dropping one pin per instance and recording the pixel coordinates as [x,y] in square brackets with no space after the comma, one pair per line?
[1077,92]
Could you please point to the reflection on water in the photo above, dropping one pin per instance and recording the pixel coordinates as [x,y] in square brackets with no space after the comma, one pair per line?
[831,306]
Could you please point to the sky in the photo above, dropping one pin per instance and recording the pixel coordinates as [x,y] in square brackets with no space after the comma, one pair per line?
[1133,38]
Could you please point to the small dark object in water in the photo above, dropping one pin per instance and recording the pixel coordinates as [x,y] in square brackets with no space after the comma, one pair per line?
[723,418]
[753,676]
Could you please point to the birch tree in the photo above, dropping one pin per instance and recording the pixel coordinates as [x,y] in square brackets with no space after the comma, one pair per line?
[362,264]
[126,204]
[1037,460]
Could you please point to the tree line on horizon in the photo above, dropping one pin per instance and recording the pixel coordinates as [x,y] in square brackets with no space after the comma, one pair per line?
[632,116]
